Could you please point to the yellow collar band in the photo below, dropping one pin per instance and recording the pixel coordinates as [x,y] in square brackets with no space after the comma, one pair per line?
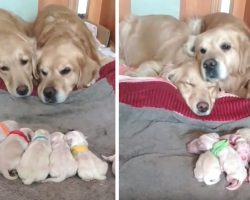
[79,149]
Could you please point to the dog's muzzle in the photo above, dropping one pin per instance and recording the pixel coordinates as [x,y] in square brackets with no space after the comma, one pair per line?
[211,69]
[50,94]
[22,90]
[202,108]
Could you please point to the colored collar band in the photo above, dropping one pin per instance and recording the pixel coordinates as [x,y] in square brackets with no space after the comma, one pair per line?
[21,134]
[5,129]
[40,137]
[219,146]
[78,149]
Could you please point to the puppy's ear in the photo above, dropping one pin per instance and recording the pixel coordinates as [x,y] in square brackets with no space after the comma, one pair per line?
[68,140]
[89,71]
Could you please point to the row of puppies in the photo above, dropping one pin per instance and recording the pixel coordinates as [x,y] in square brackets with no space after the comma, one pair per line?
[229,153]
[201,56]
[34,155]
[57,51]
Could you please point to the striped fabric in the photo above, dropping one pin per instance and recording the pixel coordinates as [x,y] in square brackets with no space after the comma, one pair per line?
[158,94]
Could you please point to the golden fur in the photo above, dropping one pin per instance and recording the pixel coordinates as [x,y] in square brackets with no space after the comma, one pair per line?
[198,94]
[161,46]
[67,55]
[17,55]
[218,31]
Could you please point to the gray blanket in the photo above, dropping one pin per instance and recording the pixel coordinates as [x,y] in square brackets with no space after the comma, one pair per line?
[91,112]
[154,163]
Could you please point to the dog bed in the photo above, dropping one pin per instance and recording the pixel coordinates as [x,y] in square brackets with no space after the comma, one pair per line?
[155,125]
[90,111]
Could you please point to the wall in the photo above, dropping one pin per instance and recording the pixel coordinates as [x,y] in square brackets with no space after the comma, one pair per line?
[26,9]
[146,7]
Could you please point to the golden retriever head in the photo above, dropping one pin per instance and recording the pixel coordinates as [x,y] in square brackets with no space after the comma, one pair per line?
[17,63]
[221,52]
[62,66]
[199,95]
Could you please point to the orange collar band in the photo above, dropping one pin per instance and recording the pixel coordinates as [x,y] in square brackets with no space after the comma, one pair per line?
[4,128]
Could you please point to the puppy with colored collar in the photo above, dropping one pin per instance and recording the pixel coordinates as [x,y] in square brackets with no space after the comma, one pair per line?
[6,127]
[34,165]
[62,163]
[11,150]
[231,163]
[203,143]
[90,167]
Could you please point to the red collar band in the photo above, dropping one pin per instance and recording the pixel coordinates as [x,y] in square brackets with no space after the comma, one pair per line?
[21,134]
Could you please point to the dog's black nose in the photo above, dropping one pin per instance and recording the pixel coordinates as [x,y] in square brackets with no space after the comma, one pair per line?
[50,94]
[22,90]
[210,64]
[202,107]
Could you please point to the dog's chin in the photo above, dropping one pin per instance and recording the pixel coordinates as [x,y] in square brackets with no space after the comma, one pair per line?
[59,98]
[18,95]
[197,112]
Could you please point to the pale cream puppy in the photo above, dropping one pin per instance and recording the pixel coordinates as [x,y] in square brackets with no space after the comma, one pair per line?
[90,167]
[110,159]
[62,163]
[11,150]
[233,166]
[207,169]
[203,143]
[34,165]
[6,127]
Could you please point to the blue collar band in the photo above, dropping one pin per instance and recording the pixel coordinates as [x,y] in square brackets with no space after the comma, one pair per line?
[40,137]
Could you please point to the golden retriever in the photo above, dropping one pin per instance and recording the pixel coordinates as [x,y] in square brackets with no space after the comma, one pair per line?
[148,43]
[222,48]
[67,55]
[198,94]
[162,46]
[17,55]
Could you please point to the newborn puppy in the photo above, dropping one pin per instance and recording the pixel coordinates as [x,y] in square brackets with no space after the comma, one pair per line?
[62,163]
[245,133]
[6,127]
[90,167]
[207,169]
[110,159]
[231,164]
[203,143]
[11,150]
[34,165]
[241,146]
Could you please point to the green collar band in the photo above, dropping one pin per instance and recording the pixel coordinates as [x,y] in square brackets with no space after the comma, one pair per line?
[219,146]
[40,137]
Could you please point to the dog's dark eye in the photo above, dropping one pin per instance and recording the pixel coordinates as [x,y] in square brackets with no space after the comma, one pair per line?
[4,68]
[65,71]
[225,46]
[203,51]
[44,73]
[193,49]
[24,61]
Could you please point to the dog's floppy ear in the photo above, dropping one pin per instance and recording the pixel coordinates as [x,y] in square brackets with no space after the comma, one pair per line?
[34,61]
[89,71]
[171,74]
[244,55]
